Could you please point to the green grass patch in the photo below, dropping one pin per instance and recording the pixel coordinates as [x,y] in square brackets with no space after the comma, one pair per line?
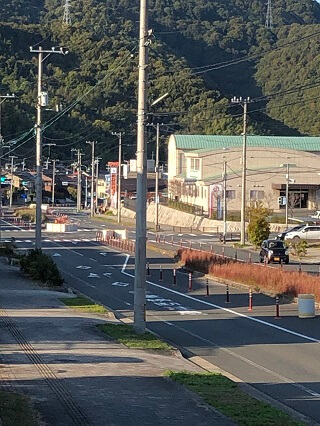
[125,334]
[227,397]
[15,409]
[84,305]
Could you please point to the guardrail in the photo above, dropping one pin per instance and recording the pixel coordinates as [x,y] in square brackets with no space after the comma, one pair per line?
[118,243]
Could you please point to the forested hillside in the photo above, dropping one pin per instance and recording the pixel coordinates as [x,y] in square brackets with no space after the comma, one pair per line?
[203,52]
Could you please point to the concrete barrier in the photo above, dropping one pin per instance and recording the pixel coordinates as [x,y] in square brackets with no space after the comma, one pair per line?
[61,227]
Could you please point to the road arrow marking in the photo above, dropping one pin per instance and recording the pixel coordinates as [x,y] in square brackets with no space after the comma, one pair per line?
[108,274]
[56,255]
[93,275]
[120,284]
[84,267]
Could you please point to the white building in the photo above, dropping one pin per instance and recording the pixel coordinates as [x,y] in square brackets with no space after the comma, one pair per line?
[195,170]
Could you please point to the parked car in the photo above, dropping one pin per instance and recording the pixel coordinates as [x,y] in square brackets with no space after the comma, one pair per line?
[307,233]
[282,234]
[274,251]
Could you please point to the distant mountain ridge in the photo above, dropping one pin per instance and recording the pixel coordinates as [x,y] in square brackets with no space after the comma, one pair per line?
[188,36]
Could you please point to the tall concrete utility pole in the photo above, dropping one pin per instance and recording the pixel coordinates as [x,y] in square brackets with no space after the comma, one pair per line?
[41,102]
[269,17]
[11,180]
[97,181]
[156,216]
[79,181]
[287,193]
[244,103]
[141,219]
[3,98]
[92,176]
[119,135]
[224,176]
[53,181]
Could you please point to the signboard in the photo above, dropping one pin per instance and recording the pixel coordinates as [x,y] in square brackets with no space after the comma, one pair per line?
[65,183]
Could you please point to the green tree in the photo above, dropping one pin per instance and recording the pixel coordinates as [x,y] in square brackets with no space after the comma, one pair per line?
[259,228]
[72,192]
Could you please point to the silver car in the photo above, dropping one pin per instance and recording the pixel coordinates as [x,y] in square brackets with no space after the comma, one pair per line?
[307,233]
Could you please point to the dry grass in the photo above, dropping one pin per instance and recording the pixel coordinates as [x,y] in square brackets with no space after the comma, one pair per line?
[256,276]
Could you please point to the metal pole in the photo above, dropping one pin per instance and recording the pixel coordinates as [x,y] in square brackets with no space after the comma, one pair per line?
[79,182]
[97,182]
[141,220]
[39,156]
[1,144]
[119,178]
[11,183]
[92,178]
[156,218]
[244,174]
[287,195]
[53,180]
[224,201]
[86,194]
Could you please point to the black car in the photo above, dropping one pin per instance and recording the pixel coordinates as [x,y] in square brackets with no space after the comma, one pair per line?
[274,251]
[282,234]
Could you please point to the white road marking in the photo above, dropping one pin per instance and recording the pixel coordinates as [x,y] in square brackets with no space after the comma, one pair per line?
[230,311]
[120,284]
[84,267]
[56,255]
[125,263]
[107,274]
[127,303]
[169,323]
[92,275]
[252,363]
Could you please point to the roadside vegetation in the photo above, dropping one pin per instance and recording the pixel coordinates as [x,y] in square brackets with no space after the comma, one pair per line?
[126,335]
[227,397]
[277,281]
[39,266]
[84,304]
[258,228]
[15,409]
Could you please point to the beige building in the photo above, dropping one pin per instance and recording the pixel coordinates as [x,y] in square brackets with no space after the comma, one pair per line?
[196,164]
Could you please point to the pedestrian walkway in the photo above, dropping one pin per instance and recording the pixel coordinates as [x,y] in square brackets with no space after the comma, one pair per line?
[74,376]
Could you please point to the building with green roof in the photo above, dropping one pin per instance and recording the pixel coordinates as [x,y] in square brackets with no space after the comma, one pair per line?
[195,165]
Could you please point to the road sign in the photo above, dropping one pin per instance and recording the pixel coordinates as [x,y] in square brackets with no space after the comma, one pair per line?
[65,183]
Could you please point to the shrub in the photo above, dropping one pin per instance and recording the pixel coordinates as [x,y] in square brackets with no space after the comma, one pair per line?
[199,260]
[259,228]
[40,266]
[270,279]
[299,248]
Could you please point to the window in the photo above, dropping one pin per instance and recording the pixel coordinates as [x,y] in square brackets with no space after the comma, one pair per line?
[231,194]
[256,195]
[195,164]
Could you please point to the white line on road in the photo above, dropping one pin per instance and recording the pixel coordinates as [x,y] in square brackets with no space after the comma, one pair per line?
[125,263]
[230,311]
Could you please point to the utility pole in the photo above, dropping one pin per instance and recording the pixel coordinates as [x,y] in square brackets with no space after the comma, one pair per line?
[53,180]
[119,135]
[141,219]
[11,183]
[41,103]
[86,194]
[287,194]
[3,99]
[79,180]
[269,17]
[97,180]
[92,176]
[156,216]
[244,103]
[224,175]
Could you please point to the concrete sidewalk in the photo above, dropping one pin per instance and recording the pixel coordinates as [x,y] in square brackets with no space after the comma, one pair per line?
[58,358]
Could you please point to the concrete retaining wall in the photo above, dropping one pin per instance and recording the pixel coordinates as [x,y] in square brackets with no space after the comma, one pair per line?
[172,217]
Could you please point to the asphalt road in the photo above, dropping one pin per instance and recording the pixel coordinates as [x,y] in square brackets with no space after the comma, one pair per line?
[277,357]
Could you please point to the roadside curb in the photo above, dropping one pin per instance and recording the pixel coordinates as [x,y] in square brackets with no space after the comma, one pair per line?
[249,389]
